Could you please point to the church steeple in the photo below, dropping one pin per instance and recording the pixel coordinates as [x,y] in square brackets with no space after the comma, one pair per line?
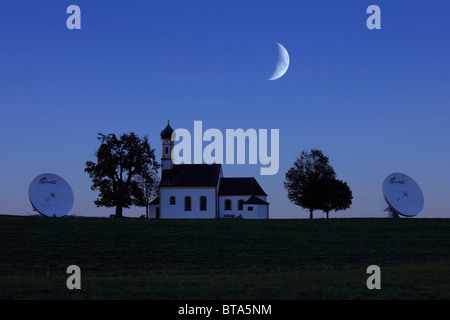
[167,146]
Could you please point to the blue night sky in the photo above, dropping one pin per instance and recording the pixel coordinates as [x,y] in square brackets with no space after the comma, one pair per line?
[374,101]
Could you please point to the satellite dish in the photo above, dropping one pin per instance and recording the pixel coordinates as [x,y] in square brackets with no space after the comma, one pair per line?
[50,195]
[403,195]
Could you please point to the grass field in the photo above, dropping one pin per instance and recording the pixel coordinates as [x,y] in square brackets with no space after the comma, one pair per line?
[224,259]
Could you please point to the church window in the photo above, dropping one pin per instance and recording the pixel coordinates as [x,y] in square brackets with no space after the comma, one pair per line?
[202,203]
[227,204]
[172,200]
[167,150]
[187,204]
[241,205]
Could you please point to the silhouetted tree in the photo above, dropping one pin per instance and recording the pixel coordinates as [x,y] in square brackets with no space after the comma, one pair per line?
[339,196]
[119,162]
[307,181]
[149,185]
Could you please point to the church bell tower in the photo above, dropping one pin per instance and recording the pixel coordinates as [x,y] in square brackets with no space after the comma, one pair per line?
[167,146]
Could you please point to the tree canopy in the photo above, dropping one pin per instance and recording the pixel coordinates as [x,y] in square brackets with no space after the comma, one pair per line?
[338,196]
[311,183]
[121,164]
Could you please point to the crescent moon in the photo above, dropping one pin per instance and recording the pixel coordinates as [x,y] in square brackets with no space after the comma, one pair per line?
[282,64]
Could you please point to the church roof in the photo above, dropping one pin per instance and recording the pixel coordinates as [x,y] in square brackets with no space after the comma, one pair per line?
[255,200]
[240,186]
[191,175]
[167,132]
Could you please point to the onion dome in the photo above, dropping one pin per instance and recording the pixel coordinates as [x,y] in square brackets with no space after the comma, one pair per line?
[167,132]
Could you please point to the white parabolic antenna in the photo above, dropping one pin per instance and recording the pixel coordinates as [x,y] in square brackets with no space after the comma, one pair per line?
[403,195]
[50,195]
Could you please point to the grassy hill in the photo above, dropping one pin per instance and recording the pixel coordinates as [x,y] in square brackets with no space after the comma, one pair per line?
[224,259]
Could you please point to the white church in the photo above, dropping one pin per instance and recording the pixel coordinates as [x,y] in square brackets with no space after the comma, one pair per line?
[200,191]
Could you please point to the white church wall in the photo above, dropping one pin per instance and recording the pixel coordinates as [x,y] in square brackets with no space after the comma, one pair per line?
[234,212]
[176,211]
[152,211]
[256,211]
[263,211]
[259,211]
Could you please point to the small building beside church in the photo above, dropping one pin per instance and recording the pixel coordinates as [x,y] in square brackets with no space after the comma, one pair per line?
[200,191]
